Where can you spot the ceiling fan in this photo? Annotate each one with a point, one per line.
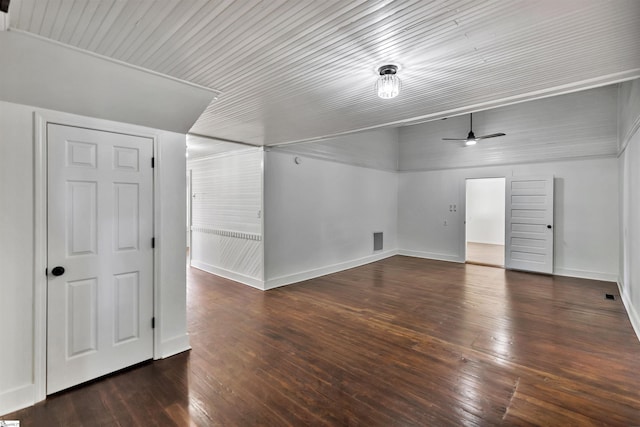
(471, 138)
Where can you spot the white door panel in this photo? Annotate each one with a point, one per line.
(529, 224)
(100, 225)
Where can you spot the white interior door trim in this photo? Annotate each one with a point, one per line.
(462, 206)
(41, 119)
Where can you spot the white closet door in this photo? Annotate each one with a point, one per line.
(100, 225)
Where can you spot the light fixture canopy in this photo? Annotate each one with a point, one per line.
(388, 84)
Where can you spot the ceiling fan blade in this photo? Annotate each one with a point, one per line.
(454, 139)
(493, 135)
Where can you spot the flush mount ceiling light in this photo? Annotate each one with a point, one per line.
(388, 84)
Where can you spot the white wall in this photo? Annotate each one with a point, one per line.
(320, 216)
(16, 257)
(226, 236)
(485, 200)
(585, 217)
(18, 285)
(171, 283)
(629, 163)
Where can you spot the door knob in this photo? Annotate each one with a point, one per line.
(548, 226)
(57, 271)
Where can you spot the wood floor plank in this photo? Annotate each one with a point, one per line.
(403, 341)
(485, 254)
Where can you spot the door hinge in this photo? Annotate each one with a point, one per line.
(153, 243)
(46, 271)
(153, 323)
(153, 162)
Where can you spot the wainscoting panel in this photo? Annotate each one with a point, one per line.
(238, 255)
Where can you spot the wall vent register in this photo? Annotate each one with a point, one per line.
(377, 241)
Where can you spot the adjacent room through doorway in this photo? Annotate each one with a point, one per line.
(485, 221)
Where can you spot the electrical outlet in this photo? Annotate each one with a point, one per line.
(445, 223)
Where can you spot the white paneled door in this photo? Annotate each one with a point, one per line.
(529, 224)
(100, 257)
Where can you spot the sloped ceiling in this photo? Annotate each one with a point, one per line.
(45, 74)
(295, 70)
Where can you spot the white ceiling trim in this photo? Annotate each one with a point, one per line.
(213, 139)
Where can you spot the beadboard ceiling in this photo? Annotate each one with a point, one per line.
(296, 70)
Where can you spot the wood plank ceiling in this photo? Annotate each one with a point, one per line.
(295, 70)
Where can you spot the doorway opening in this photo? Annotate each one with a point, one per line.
(485, 221)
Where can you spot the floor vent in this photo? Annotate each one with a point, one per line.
(609, 296)
(377, 241)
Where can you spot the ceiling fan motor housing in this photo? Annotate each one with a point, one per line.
(472, 139)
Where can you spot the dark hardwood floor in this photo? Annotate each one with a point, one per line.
(400, 342)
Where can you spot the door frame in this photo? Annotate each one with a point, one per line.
(462, 243)
(464, 214)
(41, 119)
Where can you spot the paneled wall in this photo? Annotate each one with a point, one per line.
(582, 124)
(226, 209)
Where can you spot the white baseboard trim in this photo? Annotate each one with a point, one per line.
(175, 345)
(584, 274)
(227, 274)
(634, 318)
(17, 398)
(430, 255)
(322, 271)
